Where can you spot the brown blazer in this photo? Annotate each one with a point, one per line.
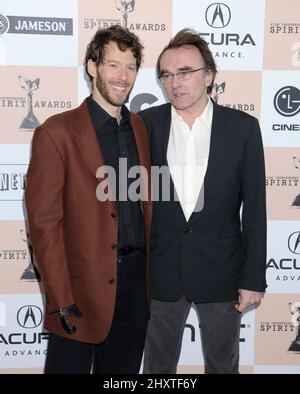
(72, 233)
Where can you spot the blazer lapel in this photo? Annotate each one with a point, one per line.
(216, 144)
(87, 142)
(140, 135)
(165, 128)
(86, 139)
(166, 125)
(142, 145)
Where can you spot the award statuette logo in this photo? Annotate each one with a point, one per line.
(30, 122)
(296, 202)
(295, 311)
(125, 6)
(217, 89)
(30, 273)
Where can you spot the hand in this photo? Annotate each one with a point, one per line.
(247, 298)
(64, 318)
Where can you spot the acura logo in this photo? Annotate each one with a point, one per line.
(30, 316)
(294, 242)
(218, 15)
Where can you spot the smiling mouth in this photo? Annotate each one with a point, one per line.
(120, 88)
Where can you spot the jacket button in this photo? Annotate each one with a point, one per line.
(113, 215)
(114, 246)
(188, 231)
(111, 281)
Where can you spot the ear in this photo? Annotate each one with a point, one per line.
(92, 68)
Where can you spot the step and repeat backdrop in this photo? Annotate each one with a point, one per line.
(256, 44)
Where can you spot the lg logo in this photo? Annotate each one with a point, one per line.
(287, 101)
(218, 15)
(30, 316)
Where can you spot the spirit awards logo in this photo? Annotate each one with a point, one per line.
(287, 101)
(125, 6)
(296, 202)
(285, 28)
(217, 89)
(30, 122)
(30, 273)
(116, 12)
(295, 311)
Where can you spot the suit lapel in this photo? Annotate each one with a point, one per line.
(86, 139)
(165, 128)
(87, 142)
(140, 135)
(166, 125)
(216, 144)
(218, 141)
(142, 145)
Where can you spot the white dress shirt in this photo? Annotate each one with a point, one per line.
(187, 156)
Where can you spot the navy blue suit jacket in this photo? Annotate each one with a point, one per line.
(222, 247)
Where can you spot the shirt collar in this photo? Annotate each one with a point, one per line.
(100, 117)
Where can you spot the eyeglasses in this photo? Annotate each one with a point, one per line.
(182, 75)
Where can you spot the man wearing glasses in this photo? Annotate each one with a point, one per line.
(203, 251)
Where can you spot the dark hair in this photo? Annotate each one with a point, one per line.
(118, 34)
(191, 37)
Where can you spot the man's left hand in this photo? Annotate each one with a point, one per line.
(248, 298)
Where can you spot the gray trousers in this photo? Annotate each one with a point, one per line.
(220, 333)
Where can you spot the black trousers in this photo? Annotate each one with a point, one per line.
(122, 350)
(220, 333)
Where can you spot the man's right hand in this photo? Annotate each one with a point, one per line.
(64, 318)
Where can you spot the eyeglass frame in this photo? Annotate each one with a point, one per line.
(180, 73)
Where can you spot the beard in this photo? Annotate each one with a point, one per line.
(102, 88)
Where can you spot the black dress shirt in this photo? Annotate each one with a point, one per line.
(116, 142)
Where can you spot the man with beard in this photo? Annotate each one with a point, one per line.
(93, 254)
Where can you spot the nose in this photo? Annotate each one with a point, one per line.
(175, 82)
(122, 74)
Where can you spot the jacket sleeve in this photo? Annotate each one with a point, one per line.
(254, 213)
(44, 197)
